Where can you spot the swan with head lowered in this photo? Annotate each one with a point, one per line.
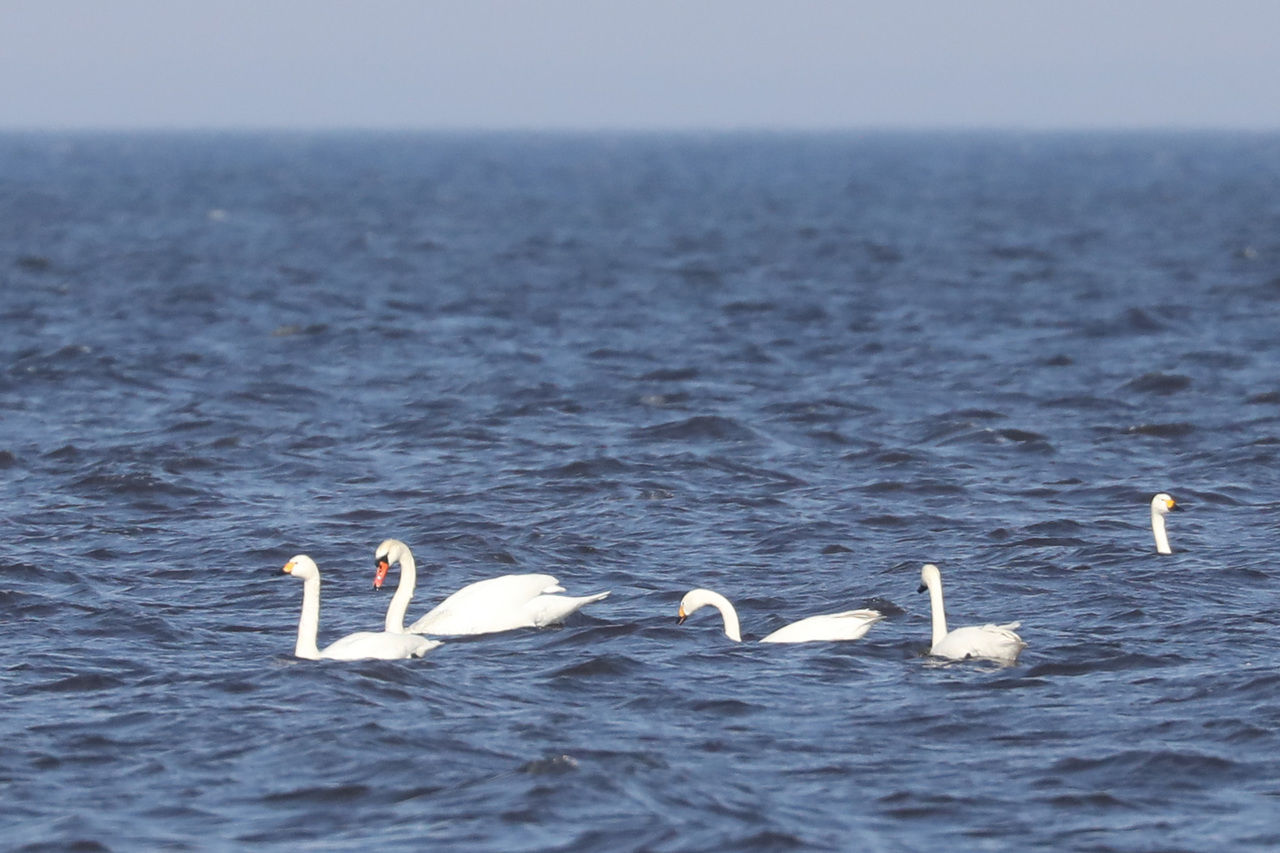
(829, 627)
(363, 645)
(989, 642)
(1161, 505)
(485, 607)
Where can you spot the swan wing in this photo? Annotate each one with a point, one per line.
(829, 627)
(378, 645)
(487, 606)
(554, 609)
(989, 642)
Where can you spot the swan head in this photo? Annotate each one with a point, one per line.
(930, 577)
(303, 567)
(1162, 504)
(694, 599)
(389, 552)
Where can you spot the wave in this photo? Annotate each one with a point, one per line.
(696, 429)
(1179, 429)
(1149, 768)
(1158, 383)
(584, 469)
(130, 483)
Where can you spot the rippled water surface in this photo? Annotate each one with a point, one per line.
(791, 369)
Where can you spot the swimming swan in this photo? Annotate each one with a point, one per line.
(364, 645)
(1161, 505)
(992, 642)
(849, 625)
(485, 607)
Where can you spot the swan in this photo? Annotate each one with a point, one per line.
(1161, 505)
(363, 645)
(485, 607)
(849, 625)
(992, 642)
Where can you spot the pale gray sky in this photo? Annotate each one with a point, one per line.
(654, 64)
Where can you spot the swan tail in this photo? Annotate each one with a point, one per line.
(865, 615)
(425, 646)
(554, 609)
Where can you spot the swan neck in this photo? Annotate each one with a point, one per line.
(309, 623)
(404, 593)
(1162, 538)
(730, 616)
(939, 612)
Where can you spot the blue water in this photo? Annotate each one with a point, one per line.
(791, 369)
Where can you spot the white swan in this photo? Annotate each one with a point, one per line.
(992, 642)
(485, 607)
(363, 645)
(849, 625)
(1161, 505)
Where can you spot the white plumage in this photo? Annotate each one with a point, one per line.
(990, 642)
(485, 607)
(363, 645)
(829, 627)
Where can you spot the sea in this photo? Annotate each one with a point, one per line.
(792, 368)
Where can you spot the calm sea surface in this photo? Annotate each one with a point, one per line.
(789, 368)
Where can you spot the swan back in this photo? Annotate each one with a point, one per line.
(378, 645)
(696, 599)
(829, 627)
(504, 603)
(988, 642)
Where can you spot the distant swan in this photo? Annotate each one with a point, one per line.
(1161, 505)
(992, 642)
(849, 625)
(364, 645)
(485, 607)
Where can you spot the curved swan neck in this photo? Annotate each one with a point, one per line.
(404, 592)
(939, 611)
(730, 616)
(309, 623)
(1157, 528)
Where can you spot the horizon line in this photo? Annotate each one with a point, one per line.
(637, 130)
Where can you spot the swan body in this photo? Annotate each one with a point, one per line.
(485, 607)
(363, 645)
(1161, 505)
(989, 642)
(829, 627)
